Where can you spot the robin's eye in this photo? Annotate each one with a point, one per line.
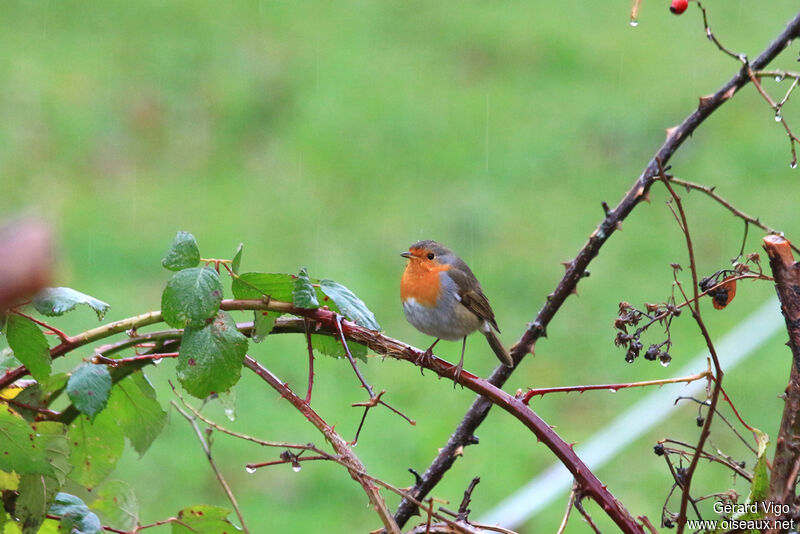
(430, 255)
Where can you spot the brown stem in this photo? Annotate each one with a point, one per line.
(310, 361)
(292, 461)
(718, 373)
(787, 284)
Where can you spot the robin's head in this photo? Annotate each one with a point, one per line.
(429, 253)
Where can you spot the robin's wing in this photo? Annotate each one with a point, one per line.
(473, 299)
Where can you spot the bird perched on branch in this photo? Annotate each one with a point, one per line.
(442, 298)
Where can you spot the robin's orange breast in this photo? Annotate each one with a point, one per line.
(421, 282)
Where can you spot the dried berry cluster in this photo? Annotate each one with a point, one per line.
(630, 317)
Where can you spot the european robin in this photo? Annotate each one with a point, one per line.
(442, 298)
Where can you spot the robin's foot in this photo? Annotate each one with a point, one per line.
(423, 359)
(457, 375)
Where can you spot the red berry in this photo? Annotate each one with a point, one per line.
(679, 6)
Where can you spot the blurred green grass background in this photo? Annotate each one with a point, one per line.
(333, 135)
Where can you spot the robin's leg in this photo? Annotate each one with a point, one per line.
(460, 366)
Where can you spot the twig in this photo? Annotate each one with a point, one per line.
(116, 362)
(614, 387)
(206, 445)
(293, 460)
(310, 361)
(736, 413)
(463, 508)
(570, 506)
(161, 523)
(49, 327)
(788, 93)
(578, 502)
(106, 528)
(679, 476)
(713, 38)
(647, 523)
(577, 267)
(779, 75)
(45, 412)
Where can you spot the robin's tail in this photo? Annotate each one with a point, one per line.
(497, 347)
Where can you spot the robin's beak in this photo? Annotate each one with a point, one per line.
(406, 254)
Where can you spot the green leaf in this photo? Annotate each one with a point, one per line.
(183, 253)
(76, 517)
(96, 447)
(759, 490)
(134, 406)
(192, 296)
(276, 286)
(237, 259)
(59, 300)
(30, 346)
(36, 492)
(263, 321)
(350, 305)
(331, 346)
(304, 295)
(211, 357)
(55, 436)
(88, 388)
(205, 519)
(116, 502)
(22, 447)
